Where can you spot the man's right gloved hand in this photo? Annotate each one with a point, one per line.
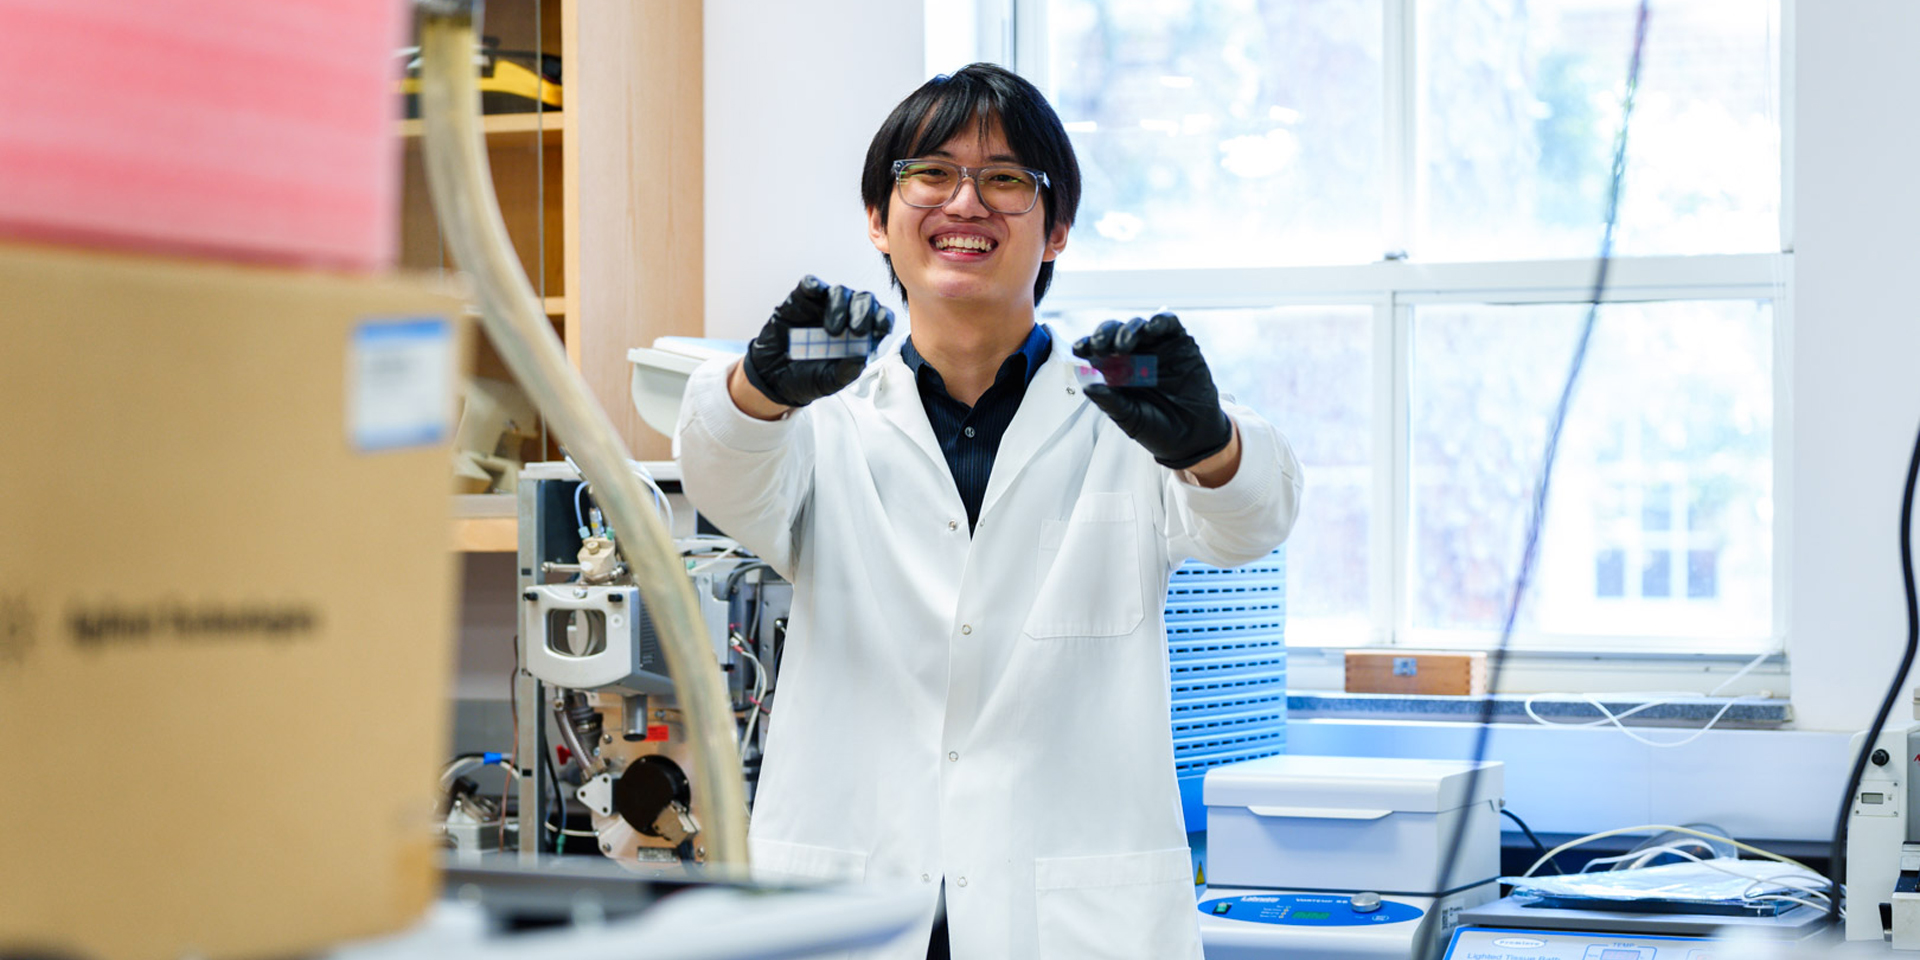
(838, 310)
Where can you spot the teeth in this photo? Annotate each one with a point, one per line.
(980, 244)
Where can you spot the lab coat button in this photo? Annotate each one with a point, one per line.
(953, 524)
(963, 881)
(953, 755)
(966, 628)
(925, 878)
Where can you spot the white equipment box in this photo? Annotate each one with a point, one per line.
(1338, 858)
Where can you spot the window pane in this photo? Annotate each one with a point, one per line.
(1675, 396)
(1657, 512)
(1223, 133)
(1610, 574)
(1657, 576)
(1518, 109)
(1701, 567)
(1308, 370)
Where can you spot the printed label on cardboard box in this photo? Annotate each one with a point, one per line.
(399, 376)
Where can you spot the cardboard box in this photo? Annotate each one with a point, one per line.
(260, 132)
(1416, 672)
(226, 604)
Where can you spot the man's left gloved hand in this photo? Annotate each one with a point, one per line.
(1178, 419)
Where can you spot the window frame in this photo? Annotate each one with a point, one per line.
(1014, 32)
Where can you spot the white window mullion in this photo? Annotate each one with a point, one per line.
(1397, 142)
(1032, 54)
(994, 32)
(1784, 428)
(1392, 506)
(1785, 100)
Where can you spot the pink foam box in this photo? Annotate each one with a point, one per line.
(232, 129)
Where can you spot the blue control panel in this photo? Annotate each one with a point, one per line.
(1307, 910)
(1478, 943)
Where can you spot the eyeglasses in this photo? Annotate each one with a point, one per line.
(1004, 188)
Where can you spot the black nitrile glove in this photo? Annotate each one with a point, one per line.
(838, 310)
(1178, 419)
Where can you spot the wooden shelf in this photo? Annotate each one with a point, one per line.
(486, 523)
(554, 306)
(506, 129)
(486, 535)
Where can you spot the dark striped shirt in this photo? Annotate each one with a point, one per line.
(970, 436)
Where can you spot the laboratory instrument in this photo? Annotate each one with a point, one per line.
(1339, 858)
(1480, 943)
(1794, 924)
(600, 721)
(1883, 849)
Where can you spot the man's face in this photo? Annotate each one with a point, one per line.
(935, 250)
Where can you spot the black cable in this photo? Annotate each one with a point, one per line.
(1539, 847)
(1837, 855)
(1537, 516)
(727, 587)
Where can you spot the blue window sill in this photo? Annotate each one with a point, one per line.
(1508, 708)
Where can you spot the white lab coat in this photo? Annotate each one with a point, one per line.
(984, 712)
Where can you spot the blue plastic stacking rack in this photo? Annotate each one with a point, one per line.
(1227, 655)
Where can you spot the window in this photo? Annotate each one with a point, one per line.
(1378, 218)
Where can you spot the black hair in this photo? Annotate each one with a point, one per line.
(979, 93)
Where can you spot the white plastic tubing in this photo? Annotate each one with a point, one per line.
(463, 198)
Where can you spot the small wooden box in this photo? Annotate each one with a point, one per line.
(1424, 673)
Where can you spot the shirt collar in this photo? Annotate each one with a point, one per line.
(1032, 353)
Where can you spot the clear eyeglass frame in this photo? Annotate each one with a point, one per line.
(962, 173)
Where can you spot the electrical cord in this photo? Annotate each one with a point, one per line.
(1837, 855)
(759, 692)
(1689, 831)
(513, 706)
(1810, 884)
(1637, 858)
(1537, 845)
(660, 501)
(579, 510)
(726, 588)
(1652, 700)
(1537, 515)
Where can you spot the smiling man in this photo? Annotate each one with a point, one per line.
(974, 695)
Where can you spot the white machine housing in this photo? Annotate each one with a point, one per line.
(1351, 823)
(1880, 823)
(1338, 858)
(592, 638)
(659, 374)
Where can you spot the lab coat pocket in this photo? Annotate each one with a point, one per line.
(1129, 905)
(777, 860)
(1089, 570)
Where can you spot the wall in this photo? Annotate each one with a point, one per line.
(794, 93)
(1853, 351)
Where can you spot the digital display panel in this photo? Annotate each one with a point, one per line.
(1322, 915)
(1619, 955)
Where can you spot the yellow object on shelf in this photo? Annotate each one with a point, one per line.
(505, 87)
